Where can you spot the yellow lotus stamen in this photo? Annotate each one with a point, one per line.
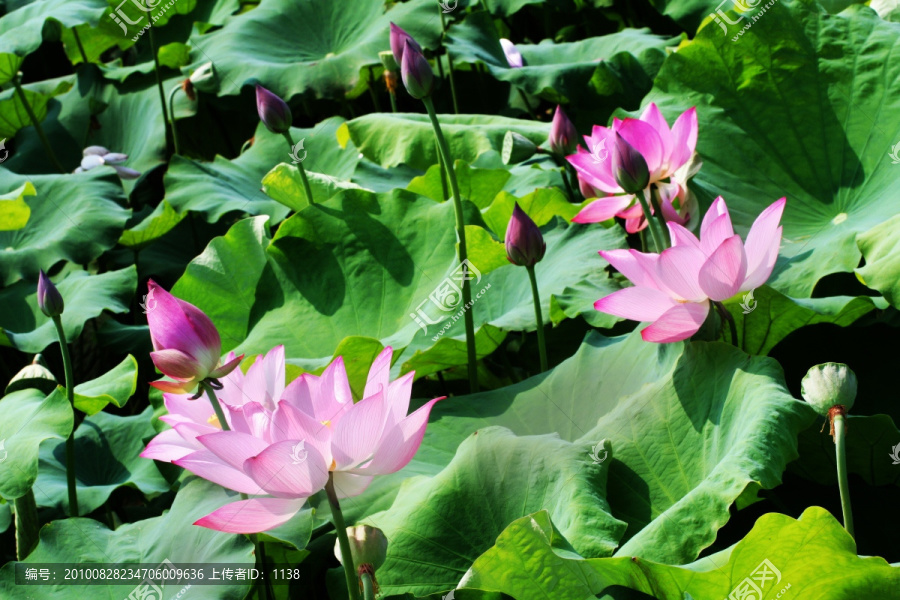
(214, 421)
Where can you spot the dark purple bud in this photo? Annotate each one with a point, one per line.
(273, 111)
(563, 136)
(629, 167)
(50, 301)
(398, 43)
(525, 244)
(416, 72)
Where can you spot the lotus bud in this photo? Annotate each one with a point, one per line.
(416, 72)
(399, 38)
(563, 135)
(205, 79)
(525, 244)
(828, 385)
(368, 546)
(513, 57)
(516, 148)
(273, 111)
(629, 167)
(50, 301)
(35, 376)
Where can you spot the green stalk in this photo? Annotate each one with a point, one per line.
(651, 223)
(172, 115)
(306, 187)
(368, 586)
(37, 125)
(449, 67)
(343, 540)
(159, 85)
(84, 57)
(393, 101)
(27, 525)
(840, 435)
(445, 192)
(70, 395)
(542, 344)
(375, 101)
(461, 234)
(658, 213)
(527, 104)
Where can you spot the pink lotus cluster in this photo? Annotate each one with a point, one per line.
(673, 289)
(670, 158)
(285, 441)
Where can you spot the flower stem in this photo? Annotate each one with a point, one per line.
(449, 67)
(726, 316)
(172, 116)
(220, 414)
(37, 125)
(159, 85)
(656, 202)
(306, 188)
(651, 224)
(368, 586)
(393, 101)
(542, 344)
(840, 438)
(444, 191)
(70, 395)
(84, 58)
(461, 234)
(343, 540)
(27, 525)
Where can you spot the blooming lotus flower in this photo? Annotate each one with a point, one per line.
(186, 344)
(399, 38)
(94, 156)
(673, 289)
(525, 245)
(273, 111)
(563, 135)
(679, 206)
(286, 440)
(50, 301)
(513, 57)
(416, 72)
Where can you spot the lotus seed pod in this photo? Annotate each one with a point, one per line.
(368, 546)
(516, 148)
(35, 376)
(827, 385)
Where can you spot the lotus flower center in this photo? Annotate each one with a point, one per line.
(214, 421)
(326, 423)
(333, 465)
(840, 218)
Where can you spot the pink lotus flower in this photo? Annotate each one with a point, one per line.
(669, 154)
(285, 441)
(513, 56)
(186, 344)
(673, 289)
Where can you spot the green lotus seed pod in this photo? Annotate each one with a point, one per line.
(829, 384)
(516, 148)
(368, 546)
(34, 375)
(387, 59)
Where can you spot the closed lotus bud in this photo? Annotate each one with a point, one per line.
(516, 148)
(563, 136)
(827, 385)
(513, 57)
(416, 72)
(399, 38)
(273, 111)
(368, 546)
(50, 301)
(35, 376)
(629, 167)
(525, 244)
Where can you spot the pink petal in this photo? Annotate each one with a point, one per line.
(233, 447)
(227, 367)
(207, 465)
(638, 267)
(654, 118)
(716, 210)
(717, 231)
(264, 380)
(291, 423)
(602, 209)
(677, 324)
(289, 469)
(399, 444)
(723, 273)
(176, 324)
(636, 224)
(597, 174)
(645, 139)
(636, 303)
(684, 133)
(379, 373)
(678, 271)
(252, 516)
(175, 387)
(397, 399)
(182, 406)
(358, 432)
(348, 485)
(762, 245)
(178, 365)
(251, 419)
(681, 236)
(167, 446)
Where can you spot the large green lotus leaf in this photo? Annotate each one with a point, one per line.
(107, 449)
(687, 447)
(149, 542)
(765, 317)
(691, 13)
(393, 139)
(881, 247)
(437, 527)
(780, 555)
(560, 72)
(808, 106)
(224, 186)
(116, 385)
(319, 47)
(21, 30)
(14, 211)
(85, 298)
(13, 113)
(478, 186)
(156, 224)
(29, 418)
